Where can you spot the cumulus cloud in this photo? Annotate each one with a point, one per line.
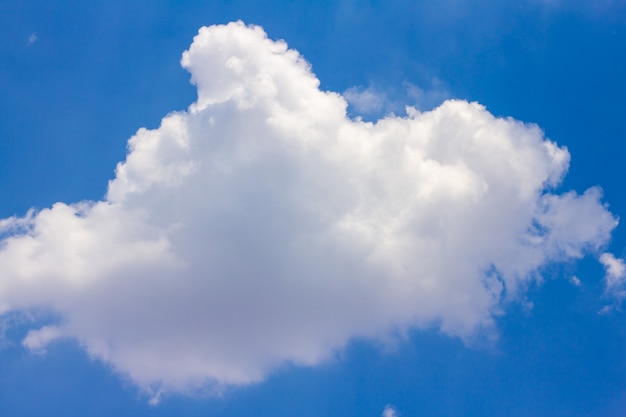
(262, 226)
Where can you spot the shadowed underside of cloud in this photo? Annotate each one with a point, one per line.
(262, 226)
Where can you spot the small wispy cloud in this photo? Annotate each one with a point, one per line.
(575, 281)
(429, 97)
(37, 340)
(366, 100)
(389, 411)
(32, 38)
(614, 278)
(375, 100)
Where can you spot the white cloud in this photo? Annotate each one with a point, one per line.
(37, 340)
(365, 100)
(575, 281)
(32, 38)
(615, 277)
(374, 100)
(389, 411)
(429, 97)
(263, 226)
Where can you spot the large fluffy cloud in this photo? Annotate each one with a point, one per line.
(262, 226)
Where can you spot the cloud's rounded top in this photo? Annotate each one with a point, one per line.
(238, 63)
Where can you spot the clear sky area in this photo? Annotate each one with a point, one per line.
(332, 208)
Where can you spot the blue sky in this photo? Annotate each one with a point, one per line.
(261, 253)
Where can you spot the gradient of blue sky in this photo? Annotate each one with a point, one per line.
(77, 80)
